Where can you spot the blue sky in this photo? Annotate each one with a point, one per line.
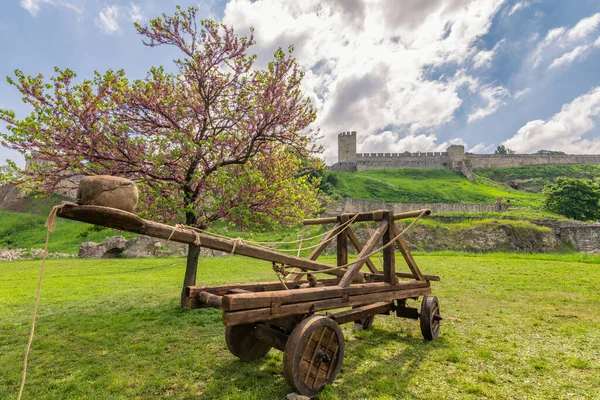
(407, 75)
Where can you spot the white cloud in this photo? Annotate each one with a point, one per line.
(390, 142)
(564, 46)
(108, 19)
(578, 53)
(366, 61)
(33, 6)
(521, 93)
(564, 131)
(521, 5)
(483, 59)
(494, 98)
(135, 13)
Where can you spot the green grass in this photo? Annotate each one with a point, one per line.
(516, 326)
(534, 178)
(425, 186)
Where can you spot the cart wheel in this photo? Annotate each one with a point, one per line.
(429, 317)
(242, 344)
(313, 354)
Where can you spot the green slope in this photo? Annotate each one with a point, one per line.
(425, 186)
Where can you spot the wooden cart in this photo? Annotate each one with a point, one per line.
(283, 314)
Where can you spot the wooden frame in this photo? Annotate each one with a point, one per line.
(261, 315)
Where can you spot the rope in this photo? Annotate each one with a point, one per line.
(185, 228)
(364, 258)
(50, 225)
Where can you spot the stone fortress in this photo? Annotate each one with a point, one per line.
(454, 158)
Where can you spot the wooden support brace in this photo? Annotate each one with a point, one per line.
(369, 247)
(407, 256)
(325, 241)
(389, 253)
(342, 242)
(358, 246)
(211, 299)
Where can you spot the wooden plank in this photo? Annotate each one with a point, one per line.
(358, 313)
(369, 247)
(358, 246)
(365, 216)
(389, 253)
(122, 220)
(211, 299)
(325, 241)
(273, 337)
(245, 301)
(221, 290)
(412, 264)
(264, 314)
(342, 243)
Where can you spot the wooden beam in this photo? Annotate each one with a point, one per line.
(246, 301)
(369, 247)
(358, 246)
(389, 253)
(265, 314)
(211, 299)
(325, 241)
(412, 264)
(117, 219)
(342, 243)
(273, 337)
(365, 216)
(358, 313)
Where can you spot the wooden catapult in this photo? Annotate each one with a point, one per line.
(283, 314)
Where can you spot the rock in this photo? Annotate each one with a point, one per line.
(146, 246)
(108, 191)
(296, 396)
(111, 247)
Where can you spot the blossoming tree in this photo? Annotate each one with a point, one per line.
(218, 139)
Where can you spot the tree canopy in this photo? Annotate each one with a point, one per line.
(503, 150)
(217, 139)
(574, 198)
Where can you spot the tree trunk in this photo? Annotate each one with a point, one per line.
(192, 260)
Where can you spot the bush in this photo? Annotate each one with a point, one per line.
(573, 198)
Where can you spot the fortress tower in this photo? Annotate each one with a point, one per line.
(347, 147)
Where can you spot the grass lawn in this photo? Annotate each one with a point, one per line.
(516, 327)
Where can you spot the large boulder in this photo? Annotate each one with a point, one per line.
(111, 247)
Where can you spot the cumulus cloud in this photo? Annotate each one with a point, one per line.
(564, 46)
(135, 13)
(33, 6)
(483, 59)
(365, 61)
(390, 142)
(494, 97)
(564, 131)
(108, 19)
(521, 5)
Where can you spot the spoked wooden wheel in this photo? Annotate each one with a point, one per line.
(242, 344)
(313, 354)
(430, 318)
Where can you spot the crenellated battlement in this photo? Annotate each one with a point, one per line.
(405, 154)
(349, 133)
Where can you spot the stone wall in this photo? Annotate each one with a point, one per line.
(518, 160)
(351, 205)
(365, 161)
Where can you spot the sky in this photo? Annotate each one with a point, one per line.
(410, 75)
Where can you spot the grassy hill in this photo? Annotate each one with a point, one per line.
(425, 186)
(520, 185)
